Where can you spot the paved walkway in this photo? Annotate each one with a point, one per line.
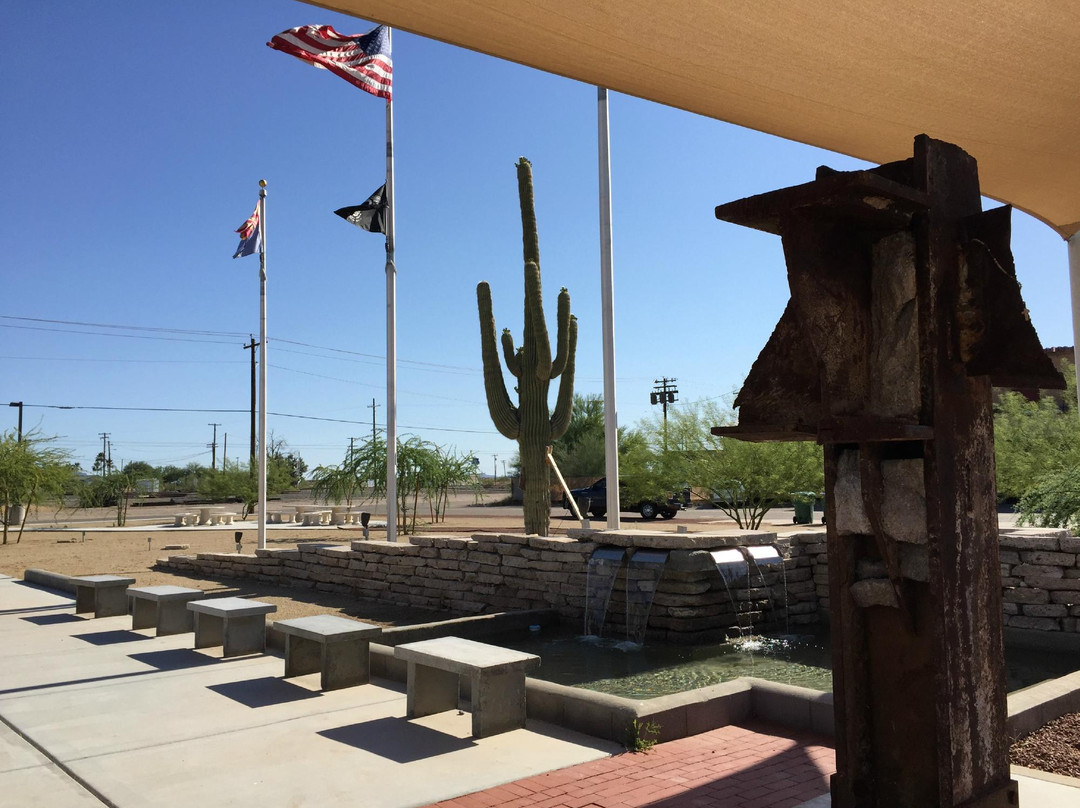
(752, 766)
(94, 714)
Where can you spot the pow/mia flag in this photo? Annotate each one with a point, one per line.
(371, 215)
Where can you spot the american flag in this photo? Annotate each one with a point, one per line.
(362, 60)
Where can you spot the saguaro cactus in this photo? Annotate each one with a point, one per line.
(530, 423)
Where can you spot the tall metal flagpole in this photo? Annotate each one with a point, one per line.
(391, 330)
(607, 309)
(262, 368)
(1074, 282)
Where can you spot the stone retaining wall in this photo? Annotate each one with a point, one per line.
(1040, 579)
(512, 572)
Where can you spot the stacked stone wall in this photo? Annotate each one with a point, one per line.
(1040, 579)
(511, 572)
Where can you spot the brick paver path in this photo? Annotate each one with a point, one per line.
(751, 766)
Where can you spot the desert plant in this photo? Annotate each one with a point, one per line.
(530, 423)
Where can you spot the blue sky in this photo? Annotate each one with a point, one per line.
(135, 134)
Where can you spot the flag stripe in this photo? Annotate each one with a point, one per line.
(363, 60)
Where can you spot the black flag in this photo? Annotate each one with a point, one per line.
(371, 215)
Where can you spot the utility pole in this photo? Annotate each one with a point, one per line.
(374, 435)
(495, 467)
(19, 405)
(664, 392)
(251, 347)
(108, 458)
(104, 451)
(225, 452)
(213, 448)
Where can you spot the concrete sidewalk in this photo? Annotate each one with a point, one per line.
(92, 714)
(96, 714)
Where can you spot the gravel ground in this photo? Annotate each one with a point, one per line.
(1055, 748)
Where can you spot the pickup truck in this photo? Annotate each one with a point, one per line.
(594, 501)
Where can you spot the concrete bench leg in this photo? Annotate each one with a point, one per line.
(144, 613)
(345, 664)
(110, 601)
(209, 630)
(84, 599)
(244, 635)
(429, 691)
(173, 617)
(498, 702)
(302, 656)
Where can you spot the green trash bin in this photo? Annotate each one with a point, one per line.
(804, 507)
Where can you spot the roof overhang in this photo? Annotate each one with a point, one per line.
(999, 78)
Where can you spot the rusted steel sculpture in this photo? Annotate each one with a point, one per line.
(904, 310)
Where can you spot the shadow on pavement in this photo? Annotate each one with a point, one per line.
(397, 739)
(52, 619)
(263, 692)
(175, 659)
(110, 637)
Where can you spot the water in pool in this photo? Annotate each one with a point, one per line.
(643, 672)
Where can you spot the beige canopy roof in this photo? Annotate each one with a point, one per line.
(1000, 78)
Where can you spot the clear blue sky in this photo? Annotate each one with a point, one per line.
(135, 134)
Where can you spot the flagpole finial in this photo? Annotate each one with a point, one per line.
(262, 183)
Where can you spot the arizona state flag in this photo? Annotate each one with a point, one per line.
(250, 236)
(371, 215)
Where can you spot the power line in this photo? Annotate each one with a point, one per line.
(231, 411)
(139, 361)
(125, 327)
(127, 336)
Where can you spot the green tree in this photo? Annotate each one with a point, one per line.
(238, 482)
(277, 451)
(580, 451)
(31, 472)
(745, 479)
(1033, 439)
(141, 470)
(111, 491)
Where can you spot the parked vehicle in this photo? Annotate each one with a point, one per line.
(593, 500)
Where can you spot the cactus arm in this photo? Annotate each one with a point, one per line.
(534, 317)
(503, 413)
(564, 404)
(510, 355)
(562, 340)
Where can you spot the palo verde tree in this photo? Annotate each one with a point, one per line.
(31, 472)
(530, 423)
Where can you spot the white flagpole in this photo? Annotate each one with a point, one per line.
(262, 368)
(1074, 282)
(607, 309)
(391, 330)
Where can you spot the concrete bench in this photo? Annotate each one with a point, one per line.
(335, 646)
(163, 608)
(185, 519)
(278, 517)
(104, 595)
(497, 676)
(312, 518)
(225, 518)
(237, 624)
